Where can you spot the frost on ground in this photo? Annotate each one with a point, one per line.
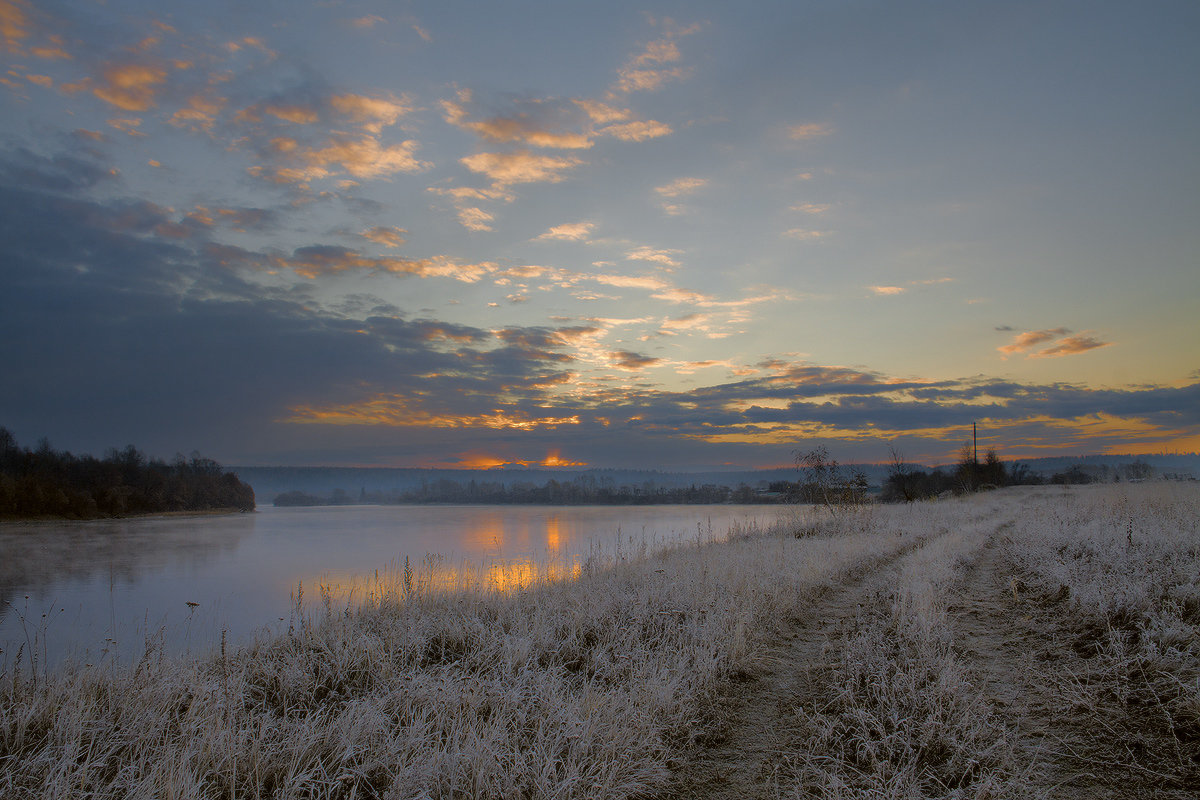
(868, 654)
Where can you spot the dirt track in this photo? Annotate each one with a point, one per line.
(1025, 655)
(741, 759)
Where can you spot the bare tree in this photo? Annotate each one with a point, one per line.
(826, 482)
(900, 476)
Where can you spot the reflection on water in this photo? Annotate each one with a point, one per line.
(105, 587)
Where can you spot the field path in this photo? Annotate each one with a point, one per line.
(1022, 649)
(739, 762)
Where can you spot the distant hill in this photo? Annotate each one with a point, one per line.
(270, 482)
(354, 482)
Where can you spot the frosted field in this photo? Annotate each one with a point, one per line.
(1021, 643)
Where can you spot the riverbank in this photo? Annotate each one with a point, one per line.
(208, 512)
(618, 681)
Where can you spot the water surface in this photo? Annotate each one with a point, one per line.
(96, 590)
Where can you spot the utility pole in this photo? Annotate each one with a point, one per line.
(975, 443)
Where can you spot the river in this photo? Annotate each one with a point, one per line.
(95, 591)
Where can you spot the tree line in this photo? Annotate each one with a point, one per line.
(50, 483)
(584, 490)
(906, 483)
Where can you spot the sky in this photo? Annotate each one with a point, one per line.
(674, 235)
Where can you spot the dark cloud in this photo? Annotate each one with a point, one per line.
(59, 173)
(625, 359)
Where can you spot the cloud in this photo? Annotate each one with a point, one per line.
(809, 130)
(1024, 342)
(812, 208)
(681, 186)
(632, 362)
(131, 87)
(1071, 345)
(363, 157)
(369, 21)
(521, 166)
(182, 347)
(475, 219)
(648, 70)
(373, 113)
(300, 115)
(385, 235)
(805, 234)
(637, 131)
(523, 127)
(14, 24)
(631, 282)
(571, 232)
(888, 290)
(318, 260)
(666, 257)
(602, 113)
(200, 113)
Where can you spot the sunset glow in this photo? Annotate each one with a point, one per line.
(629, 235)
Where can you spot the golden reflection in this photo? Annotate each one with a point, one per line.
(430, 577)
(553, 535)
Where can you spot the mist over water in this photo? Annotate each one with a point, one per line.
(95, 591)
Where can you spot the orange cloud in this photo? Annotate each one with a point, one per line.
(363, 158)
(1070, 346)
(888, 290)
(647, 71)
(681, 186)
(129, 126)
(555, 459)
(517, 128)
(400, 412)
(313, 262)
(602, 114)
(200, 113)
(375, 113)
(638, 131)
(131, 87)
(664, 257)
(571, 232)
(14, 24)
(521, 166)
(386, 236)
(301, 115)
(631, 282)
(1027, 341)
(475, 219)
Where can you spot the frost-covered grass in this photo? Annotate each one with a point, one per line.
(1122, 564)
(899, 714)
(561, 689)
(588, 686)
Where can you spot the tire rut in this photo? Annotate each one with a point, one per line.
(739, 760)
